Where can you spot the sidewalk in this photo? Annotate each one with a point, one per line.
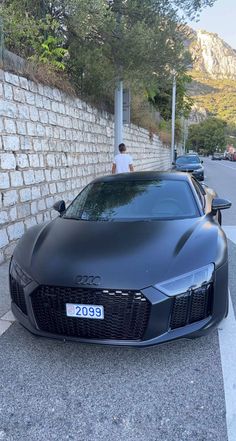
(6, 317)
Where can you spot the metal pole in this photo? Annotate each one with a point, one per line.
(1, 41)
(118, 115)
(118, 138)
(185, 134)
(173, 119)
(184, 138)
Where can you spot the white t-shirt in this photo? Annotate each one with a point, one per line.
(123, 161)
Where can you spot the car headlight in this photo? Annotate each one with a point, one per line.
(18, 274)
(186, 282)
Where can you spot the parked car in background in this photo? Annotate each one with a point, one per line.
(232, 156)
(226, 155)
(136, 259)
(217, 156)
(190, 163)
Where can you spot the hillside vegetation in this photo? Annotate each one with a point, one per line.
(90, 45)
(218, 97)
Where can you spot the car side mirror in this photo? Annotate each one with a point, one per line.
(60, 206)
(220, 204)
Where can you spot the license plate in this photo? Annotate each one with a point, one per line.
(85, 311)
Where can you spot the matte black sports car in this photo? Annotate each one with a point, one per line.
(136, 259)
(191, 164)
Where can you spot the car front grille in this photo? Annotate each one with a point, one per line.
(126, 313)
(191, 307)
(17, 294)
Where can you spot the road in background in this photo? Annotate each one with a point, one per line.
(221, 175)
(52, 390)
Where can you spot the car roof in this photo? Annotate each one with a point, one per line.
(145, 175)
(188, 155)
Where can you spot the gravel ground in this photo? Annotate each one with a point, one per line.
(4, 292)
(66, 391)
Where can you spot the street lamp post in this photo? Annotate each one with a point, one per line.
(1, 40)
(173, 119)
(185, 134)
(118, 115)
(118, 137)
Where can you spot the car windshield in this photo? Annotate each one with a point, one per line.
(134, 200)
(188, 160)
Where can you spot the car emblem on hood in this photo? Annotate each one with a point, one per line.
(88, 280)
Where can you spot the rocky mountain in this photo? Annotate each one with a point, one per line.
(212, 55)
(214, 76)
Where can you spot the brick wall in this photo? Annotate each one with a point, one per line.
(51, 146)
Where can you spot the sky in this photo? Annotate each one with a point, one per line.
(220, 18)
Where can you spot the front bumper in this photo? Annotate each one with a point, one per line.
(158, 327)
(198, 174)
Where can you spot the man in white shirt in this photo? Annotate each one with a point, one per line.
(123, 162)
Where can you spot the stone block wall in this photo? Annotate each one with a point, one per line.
(51, 146)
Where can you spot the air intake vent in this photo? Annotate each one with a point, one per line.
(126, 313)
(17, 294)
(191, 307)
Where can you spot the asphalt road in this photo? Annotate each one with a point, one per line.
(179, 391)
(221, 175)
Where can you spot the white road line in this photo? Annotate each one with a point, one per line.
(227, 340)
(6, 321)
(4, 325)
(227, 166)
(230, 233)
(8, 316)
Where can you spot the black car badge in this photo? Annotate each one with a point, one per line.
(88, 280)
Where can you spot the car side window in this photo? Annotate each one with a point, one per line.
(200, 192)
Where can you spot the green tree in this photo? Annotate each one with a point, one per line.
(192, 7)
(209, 136)
(33, 33)
(161, 98)
(140, 41)
(141, 47)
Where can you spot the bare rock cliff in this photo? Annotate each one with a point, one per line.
(212, 55)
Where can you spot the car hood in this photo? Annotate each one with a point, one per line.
(123, 255)
(186, 167)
